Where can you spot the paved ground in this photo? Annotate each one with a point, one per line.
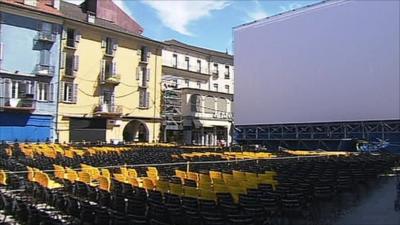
(376, 206)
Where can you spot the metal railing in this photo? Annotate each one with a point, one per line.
(44, 70)
(46, 36)
(108, 108)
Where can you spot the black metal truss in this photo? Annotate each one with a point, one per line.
(387, 129)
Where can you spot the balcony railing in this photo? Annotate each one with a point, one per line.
(44, 70)
(108, 110)
(46, 36)
(18, 104)
(110, 79)
(192, 67)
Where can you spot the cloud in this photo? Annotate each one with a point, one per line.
(257, 12)
(120, 3)
(178, 14)
(290, 7)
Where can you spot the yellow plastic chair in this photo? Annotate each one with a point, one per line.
(72, 175)
(3, 177)
(190, 192)
(204, 178)
(235, 191)
(181, 174)
(220, 188)
(31, 174)
(104, 183)
(84, 177)
(192, 176)
(162, 186)
(59, 172)
(251, 176)
(238, 175)
(175, 189)
(132, 173)
(120, 177)
(148, 184)
(133, 181)
(215, 174)
(207, 194)
(106, 173)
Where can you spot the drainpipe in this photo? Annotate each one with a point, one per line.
(154, 98)
(58, 82)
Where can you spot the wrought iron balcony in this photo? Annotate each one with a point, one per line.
(108, 110)
(44, 70)
(114, 79)
(27, 104)
(46, 36)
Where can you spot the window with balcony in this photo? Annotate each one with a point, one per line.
(46, 33)
(227, 88)
(215, 69)
(144, 98)
(187, 82)
(187, 63)
(43, 67)
(227, 73)
(71, 64)
(175, 60)
(43, 92)
(199, 66)
(215, 87)
(72, 37)
(68, 92)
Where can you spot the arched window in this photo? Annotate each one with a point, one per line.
(195, 103)
(209, 106)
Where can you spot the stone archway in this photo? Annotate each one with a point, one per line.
(136, 131)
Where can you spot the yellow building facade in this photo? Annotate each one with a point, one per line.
(109, 88)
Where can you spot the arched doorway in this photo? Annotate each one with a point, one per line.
(136, 131)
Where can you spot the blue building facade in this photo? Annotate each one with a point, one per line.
(29, 71)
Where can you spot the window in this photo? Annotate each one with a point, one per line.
(195, 102)
(71, 64)
(215, 87)
(44, 57)
(71, 38)
(47, 28)
(174, 60)
(187, 82)
(199, 66)
(198, 84)
(215, 69)
(109, 46)
(30, 2)
(69, 92)
(144, 54)
(43, 91)
(227, 88)
(144, 98)
(187, 62)
(227, 74)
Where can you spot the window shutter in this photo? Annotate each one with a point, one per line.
(61, 94)
(139, 52)
(148, 54)
(76, 62)
(63, 59)
(147, 75)
(75, 93)
(147, 99)
(103, 43)
(114, 68)
(50, 93)
(77, 36)
(64, 34)
(112, 99)
(115, 45)
(7, 88)
(138, 73)
(103, 68)
(140, 98)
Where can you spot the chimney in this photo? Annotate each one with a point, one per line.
(56, 4)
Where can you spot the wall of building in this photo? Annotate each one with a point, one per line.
(21, 54)
(126, 92)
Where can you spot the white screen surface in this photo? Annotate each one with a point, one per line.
(332, 62)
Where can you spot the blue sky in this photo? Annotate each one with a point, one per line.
(201, 23)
